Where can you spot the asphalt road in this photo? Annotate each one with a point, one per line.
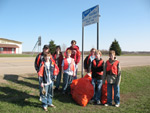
(25, 65)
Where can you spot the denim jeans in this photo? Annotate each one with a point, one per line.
(97, 92)
(76, 71)
(116, 93)
(47, 97)
(40, 88)
(58, 80)
(67, 80)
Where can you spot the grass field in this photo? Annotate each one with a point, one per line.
(19, 94)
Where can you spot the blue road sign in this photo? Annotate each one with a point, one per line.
(90, 16)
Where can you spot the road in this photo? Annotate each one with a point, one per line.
(25, 65)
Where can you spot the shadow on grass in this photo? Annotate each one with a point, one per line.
(64, 98)
(14, 78)
(16, 97)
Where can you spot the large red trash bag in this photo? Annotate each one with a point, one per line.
(87, 76)
(104, 93)
(82, 90)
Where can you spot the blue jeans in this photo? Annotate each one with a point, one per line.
(97, 92)
(67, 80)
(47, 97)
(58, 80)
(40, 88)
(116, 93)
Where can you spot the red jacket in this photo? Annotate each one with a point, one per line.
(76, 55)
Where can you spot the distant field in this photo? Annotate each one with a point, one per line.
(16, 55)
(19, 94)
(30, 55)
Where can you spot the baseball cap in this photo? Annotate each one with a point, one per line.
(45, 47)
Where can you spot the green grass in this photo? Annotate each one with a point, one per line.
(20, 95)
(16, 55)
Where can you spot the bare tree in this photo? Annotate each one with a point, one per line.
(63, 47)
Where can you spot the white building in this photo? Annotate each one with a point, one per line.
(10, 46)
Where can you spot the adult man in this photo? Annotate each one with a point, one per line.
(75, 54)
(37, 63)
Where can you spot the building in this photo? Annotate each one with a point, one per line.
(10, 46)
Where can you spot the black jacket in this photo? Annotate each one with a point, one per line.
(96, 69)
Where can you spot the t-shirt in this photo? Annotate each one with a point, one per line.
(68, 71)
(47, 69)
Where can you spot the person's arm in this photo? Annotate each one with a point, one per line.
(104, 73)
(74, 69)
(90, 67)
(62, 67)
(78, 54)
(35, 64)
(85, 64)
(41, 74)
(119, 74)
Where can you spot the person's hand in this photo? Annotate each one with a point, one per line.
(74, 74)
(42, 85)
(89, 74)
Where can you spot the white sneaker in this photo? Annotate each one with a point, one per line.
(40, 99)
(45, 108)
(117, 105)
(98, 102)
(52, 105)
(106, 105)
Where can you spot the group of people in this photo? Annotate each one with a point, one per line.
(99, 71)
(52, 67)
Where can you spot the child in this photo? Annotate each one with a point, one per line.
(58, 57)
(37, 63)
(48, 69)
(113, 74)
(75, 54)
(68, 70)
(88, 60)
(97, 74)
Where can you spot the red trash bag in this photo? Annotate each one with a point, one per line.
(104, 93)
(82, 90)
(73, 85)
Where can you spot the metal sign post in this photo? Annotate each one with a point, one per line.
(90, 16)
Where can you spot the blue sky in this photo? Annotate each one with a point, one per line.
(128, 21)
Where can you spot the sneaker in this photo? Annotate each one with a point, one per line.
(40, 99)
(117, 105)
(98, 102)
(52, 105)
(45, 108)
(106, 105)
